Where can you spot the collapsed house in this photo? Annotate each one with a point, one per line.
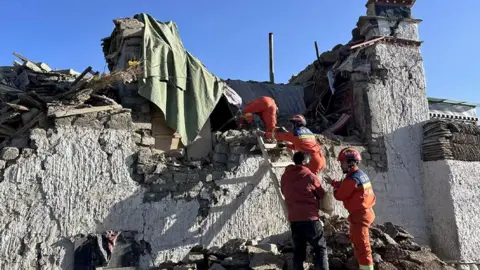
(145, 151)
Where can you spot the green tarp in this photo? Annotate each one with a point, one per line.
(175, 81)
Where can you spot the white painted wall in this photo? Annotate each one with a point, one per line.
(74, 186)
(452, 195)
(398, 107)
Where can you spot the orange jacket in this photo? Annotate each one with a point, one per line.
(302, 140)
(355, 191)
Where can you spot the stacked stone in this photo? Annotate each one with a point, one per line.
(392, 246)
(124, 45)
(443, 139)
(231, 148)
(389, 18)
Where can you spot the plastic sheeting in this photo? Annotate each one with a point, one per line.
(289, 98)
(175, 81)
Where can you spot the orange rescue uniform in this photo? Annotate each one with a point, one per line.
(265, 107)
(303, 140)
(357, 195)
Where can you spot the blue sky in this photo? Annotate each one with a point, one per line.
(231, 37)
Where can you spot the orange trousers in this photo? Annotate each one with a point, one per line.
(267, 112)
(317, 163)
(360, 222)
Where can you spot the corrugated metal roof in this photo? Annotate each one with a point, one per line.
(289, 98)
(453, 102)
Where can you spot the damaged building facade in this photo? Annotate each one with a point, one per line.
(80, 170)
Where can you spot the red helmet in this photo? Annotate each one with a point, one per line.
(349, 154)
(299, 120)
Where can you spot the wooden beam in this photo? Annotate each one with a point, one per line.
(9, 90)
(281, 164)
(69, 112)
(24, 59)
(273, 175)
(30, 101)
(87, 70)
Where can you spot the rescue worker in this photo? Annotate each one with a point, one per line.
(302, 139)
(303, 194)
(356, 193)
(265, 108)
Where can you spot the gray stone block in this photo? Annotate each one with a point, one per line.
(120, 121)
(3, 163)
(137, 138)
(366, 155)
(148, 140)
(234, 158)
(220, 158)
(376, 157)
(221, 149)
(232, 166)
(237, 150)
(64, 121)
(217, 175)
(88, 120)
(193, 177)
(144, 155)
(180, 177)
(145, 168)
(372, 163)
(9, 153)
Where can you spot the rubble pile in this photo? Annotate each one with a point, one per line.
(393, 248)
(444, 139)
(30, 92)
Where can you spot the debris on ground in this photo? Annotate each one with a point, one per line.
(393, 248)
(31, 91)
(444, 139)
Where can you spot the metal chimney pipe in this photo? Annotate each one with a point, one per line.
(272, 73)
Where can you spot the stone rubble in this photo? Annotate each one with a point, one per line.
(30, 92)
(393, 248)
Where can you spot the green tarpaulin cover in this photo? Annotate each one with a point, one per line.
(175, 81)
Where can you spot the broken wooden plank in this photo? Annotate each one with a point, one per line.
(21, 57)
(17, 107)
(5, 117)
(33, 66)
(9, 90)
(44, 67)
(74, 90)
(273, 175)
(281, 164)
(37, 96)
(367, 43)
(7, 128)
(107, 100)
(87, 70)
(270, 145)
(69, 112)
(16, 63)
(6, 131)
(29, 101)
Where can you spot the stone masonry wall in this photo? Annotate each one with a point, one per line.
(452, 193)
(391, 105)
(81, 180)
